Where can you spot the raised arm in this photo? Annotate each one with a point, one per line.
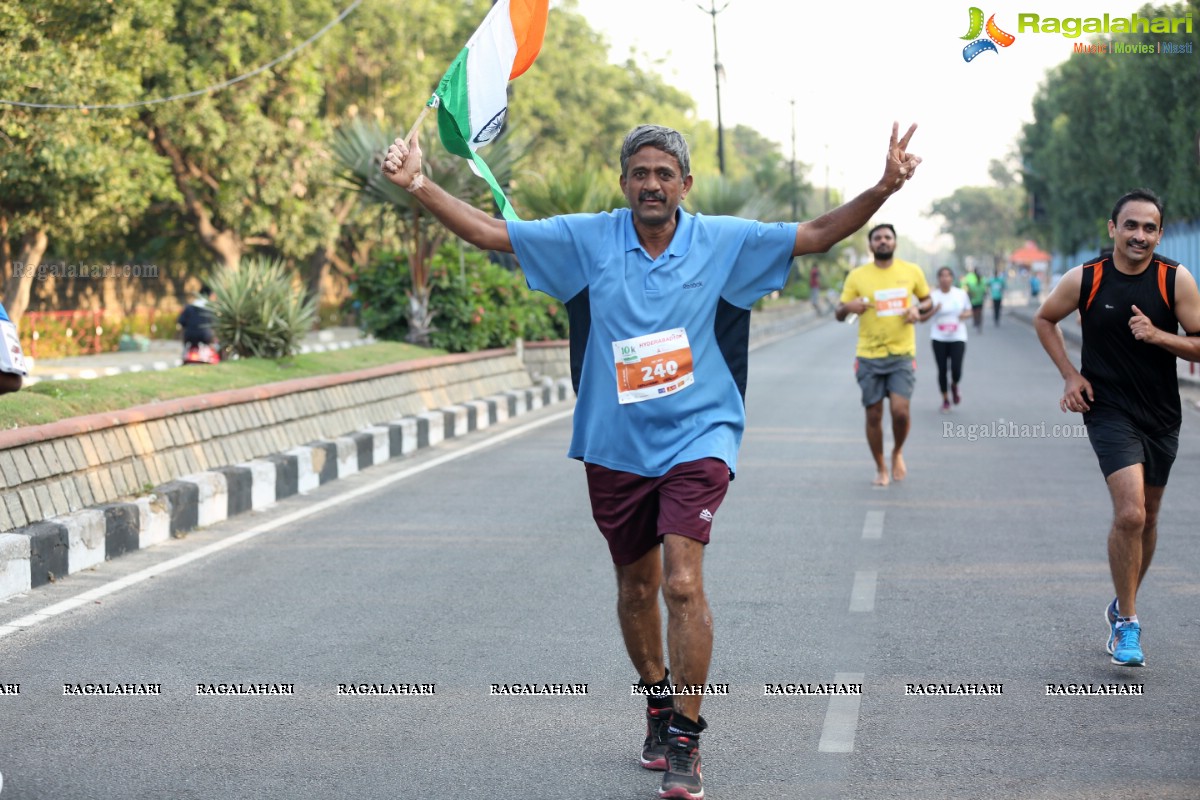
(1187, 310)
(1077, 391)
(822, 233)
(402, 166)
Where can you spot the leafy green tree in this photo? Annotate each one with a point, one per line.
(247, 162)
(570, 190)
(358, 148)
(69, 177)
(384, 70)
(1070, 163)
(577, 106)
(1105, 125)
(984, 221)
(715, 194)
(248, 169)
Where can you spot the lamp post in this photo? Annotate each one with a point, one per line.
(712, 10)
(795, 210)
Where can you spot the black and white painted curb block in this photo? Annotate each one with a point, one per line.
(46, 551)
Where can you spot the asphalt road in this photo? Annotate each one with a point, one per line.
(478, 564)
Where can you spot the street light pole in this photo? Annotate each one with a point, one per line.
(826, 209)
(713, 11)
(795, 211)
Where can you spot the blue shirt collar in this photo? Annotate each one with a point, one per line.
(680, 242)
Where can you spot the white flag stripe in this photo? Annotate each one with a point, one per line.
(490, 55)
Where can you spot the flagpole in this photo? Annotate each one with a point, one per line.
(420, 118)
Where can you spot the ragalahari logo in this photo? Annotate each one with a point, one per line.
(995, 36)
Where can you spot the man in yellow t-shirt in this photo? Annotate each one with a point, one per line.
(881, 294)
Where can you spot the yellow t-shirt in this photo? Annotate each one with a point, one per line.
(882, 330)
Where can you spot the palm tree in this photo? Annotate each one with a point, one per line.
(717, 195)
(576, 190)
(358, 147)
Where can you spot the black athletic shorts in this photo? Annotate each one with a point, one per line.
(1119, 443)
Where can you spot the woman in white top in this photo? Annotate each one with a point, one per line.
(951, 305)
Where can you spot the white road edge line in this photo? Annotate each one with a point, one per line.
(862, 596)
(873, 526)
(841, 717)
(29, 620)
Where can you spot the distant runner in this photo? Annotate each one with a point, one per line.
(996, 287)
(977, 291)
(951, 307)
(886, 357)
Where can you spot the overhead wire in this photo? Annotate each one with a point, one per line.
(185, 95)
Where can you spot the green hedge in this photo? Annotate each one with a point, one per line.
(477, 304)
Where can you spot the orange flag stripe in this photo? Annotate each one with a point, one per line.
(528, 18)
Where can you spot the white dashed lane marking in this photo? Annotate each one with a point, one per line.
(841, 718)
(873, 526)
(862, 596)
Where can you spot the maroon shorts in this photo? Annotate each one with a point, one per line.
(634, 512)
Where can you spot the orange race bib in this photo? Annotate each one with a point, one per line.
(891, 302)
(653, 366)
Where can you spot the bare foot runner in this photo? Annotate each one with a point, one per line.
(881, 294)
(899, 471)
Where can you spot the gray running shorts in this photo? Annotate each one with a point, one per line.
(879, 377)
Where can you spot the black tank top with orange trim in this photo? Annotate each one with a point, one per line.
(1136, 379)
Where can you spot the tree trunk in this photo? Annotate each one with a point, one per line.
(420, 316)
(317, 263)
(224, 243)
(22, 271)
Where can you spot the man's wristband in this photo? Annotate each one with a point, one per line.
(417, 182)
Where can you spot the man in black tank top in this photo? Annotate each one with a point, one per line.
(1131, 306)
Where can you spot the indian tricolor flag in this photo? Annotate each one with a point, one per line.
(472, 98)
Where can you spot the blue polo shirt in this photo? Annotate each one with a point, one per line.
(704, 284)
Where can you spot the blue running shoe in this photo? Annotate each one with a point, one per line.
(1127, 649)
(1110, 616)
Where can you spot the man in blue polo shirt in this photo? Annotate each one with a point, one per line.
(659, 303)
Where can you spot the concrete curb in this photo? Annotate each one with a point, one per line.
(50, 549)
(52, 371)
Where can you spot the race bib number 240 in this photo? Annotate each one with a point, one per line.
(653, 366)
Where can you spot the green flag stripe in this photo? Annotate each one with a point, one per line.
(454, 112)
(454, 126)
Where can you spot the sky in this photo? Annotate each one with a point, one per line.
(852, 69)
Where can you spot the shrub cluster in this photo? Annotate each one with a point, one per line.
(476, 303)
(258, 311)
